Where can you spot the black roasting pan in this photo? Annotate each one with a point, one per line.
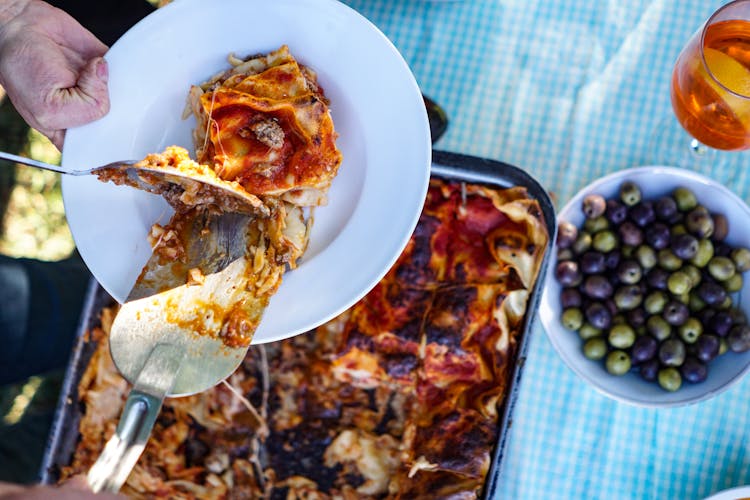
(64, 432)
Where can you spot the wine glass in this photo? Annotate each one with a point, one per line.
(710, 91)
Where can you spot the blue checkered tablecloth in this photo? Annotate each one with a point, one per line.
(571, 90)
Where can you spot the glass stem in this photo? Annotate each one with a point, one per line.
(698, 148)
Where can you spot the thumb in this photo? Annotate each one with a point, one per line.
(92, 83)
(89, 99)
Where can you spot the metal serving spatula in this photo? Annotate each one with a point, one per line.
(154, 343)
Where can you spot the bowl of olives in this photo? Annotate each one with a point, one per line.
(648, 296)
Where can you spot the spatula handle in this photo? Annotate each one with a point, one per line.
(122, 451)
(120, 454)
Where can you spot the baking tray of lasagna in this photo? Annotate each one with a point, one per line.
(408, 394)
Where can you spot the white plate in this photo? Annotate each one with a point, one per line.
(723, 371)
(377, 109)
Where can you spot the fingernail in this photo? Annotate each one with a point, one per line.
(102, 72)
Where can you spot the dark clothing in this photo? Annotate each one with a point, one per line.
(40, 305)
(108, 20)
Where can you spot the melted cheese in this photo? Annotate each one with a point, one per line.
(375, 457)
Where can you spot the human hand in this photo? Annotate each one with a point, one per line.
(75, 489)
(51, 67)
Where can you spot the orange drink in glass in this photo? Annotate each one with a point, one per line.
(711, 80)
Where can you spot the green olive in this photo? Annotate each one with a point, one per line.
(621, 336)
(668, 260)
(733, 284)
(646, 256)
(629, 272)
(572, 318)
(723, 346)
(677, 229)
(630, 193)
(721, 268)
(604, 241)
(683, 297)
(588, 331)
(693, 273)
(628, 297)
(582, 243)
(685, 199)
(617, 362)
(741, 258)
(669, 379)
(658, 327)
(595, 348)
(726, 304)
(678, 283)
(596, 224)
(627, 251)
(704, 254)
(655, 301)
(690, 330)
(672, 352)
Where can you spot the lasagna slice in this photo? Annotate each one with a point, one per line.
(266, 124)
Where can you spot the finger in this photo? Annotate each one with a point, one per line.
(63, 492)
(92, 82)
(88, 100)
(77, 487)
(8, 488)
(57, 138)
(77, 483)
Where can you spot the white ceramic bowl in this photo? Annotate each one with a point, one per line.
(736, 493)
(723, 371)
